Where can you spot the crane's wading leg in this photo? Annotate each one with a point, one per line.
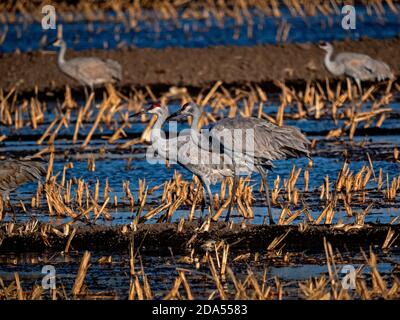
(360, 92)
(12, 208)
(203, 205)
(9, 204)
(203, 201)
(205, 198)
(263, 174)
(94, 96)
(86, 93)
(234, 189)
(211, 200)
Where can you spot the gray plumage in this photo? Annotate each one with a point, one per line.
(271, 142)
(358, 66)
(254, 147)
(198, 161)
(14, 173)
(89, 71)
(183, 151)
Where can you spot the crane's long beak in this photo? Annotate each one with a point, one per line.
(54, 42)
(176, 116)
(136, 114)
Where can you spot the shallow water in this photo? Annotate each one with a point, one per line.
(112, 279)
(116, 172)
(191, 33)
(113, 165)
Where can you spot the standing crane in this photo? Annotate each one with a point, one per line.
(88, 71)
(268, 141)
(14, 173)
(187, 154)
(357, 66)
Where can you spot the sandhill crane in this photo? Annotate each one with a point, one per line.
(358, 66)
(187, 154)
(269, 142)
(14, 173)
(88, 71)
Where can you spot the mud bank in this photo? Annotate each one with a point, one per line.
(194, 67)
(164, 238)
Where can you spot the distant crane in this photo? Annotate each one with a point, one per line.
(270, 142)
(14, 173)
(187, 154)
(88, 71)
(358, 66)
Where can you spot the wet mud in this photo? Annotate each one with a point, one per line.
(164, 238)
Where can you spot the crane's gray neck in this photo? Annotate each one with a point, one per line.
(196, 117)
(197, 137)
(161, 118)
(333, 67)
(160, 143)
(61, 53)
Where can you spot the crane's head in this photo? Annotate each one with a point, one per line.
(186, 110)
(152, 108)
(325, 46)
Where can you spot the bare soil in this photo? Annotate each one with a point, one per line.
(194, 67)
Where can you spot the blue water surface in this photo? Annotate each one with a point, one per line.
(194, 33)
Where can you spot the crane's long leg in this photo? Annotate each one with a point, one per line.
(207, 196)
(7, 201)
(14, 217)
(94, 95)
(360, 92)
(12, 208)
(234, 188)
(86, 93)
(211, 199)
(263, 174)
(203, 200)
(203, 205)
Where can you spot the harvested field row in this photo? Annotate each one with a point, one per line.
(162, 238)
(194, 67)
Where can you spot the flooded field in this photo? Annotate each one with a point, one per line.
(254, 28)
(109, 273)
(115, 224)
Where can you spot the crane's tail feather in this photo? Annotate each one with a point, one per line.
(296, 143)
(115, 69)
(33, 169)
(383, 71)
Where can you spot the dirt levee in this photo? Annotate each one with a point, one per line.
(194, 67)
